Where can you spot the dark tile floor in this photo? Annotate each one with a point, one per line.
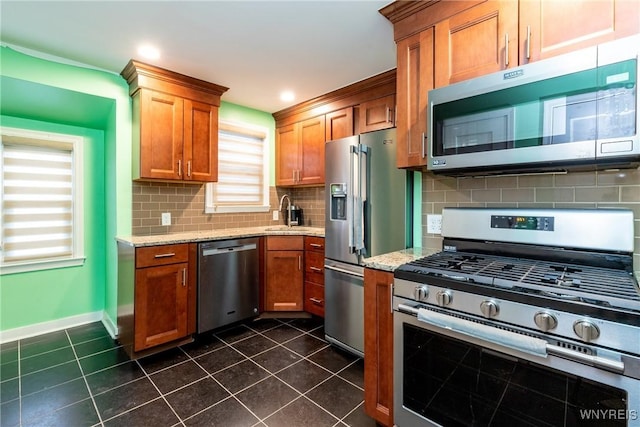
(267, 372)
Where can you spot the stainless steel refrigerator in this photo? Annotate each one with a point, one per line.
(368, 213)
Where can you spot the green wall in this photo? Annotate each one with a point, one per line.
(93, 101)
(40, 296)
(238, 113)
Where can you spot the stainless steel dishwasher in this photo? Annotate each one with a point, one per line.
(228, 286)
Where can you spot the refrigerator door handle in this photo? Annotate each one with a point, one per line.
(361, 198)
(351, 198)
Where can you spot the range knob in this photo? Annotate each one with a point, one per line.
(586, 330)
(444, 298)
(421, 293)
(545, 321)
(489, 309)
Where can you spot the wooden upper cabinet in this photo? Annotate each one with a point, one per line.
(160, 134)
(312, 134)
(415, 79)
(200, 141)
(339, 124)
(477, 41)
(544, 32)
(300, 153)
(175, 124)
(377, 114)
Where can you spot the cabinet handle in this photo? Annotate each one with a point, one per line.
(189, 168)
(388, 115)
(528, 42)
(316, 301)
(424, 149)
(167, 255)
(184, 277)
(315, 245)
(506, 49)
(299, 263)
(293, 175)
(316, 269)
(180, 168)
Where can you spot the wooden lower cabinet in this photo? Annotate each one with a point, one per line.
(161, 305)
(156, 297)
(378, 345)
(314, 275)
(284, 273)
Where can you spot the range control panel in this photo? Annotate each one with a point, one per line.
(541, 223)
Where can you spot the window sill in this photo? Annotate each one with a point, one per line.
(233, 209)
(40, 265)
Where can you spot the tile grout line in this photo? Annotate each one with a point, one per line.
(84, 378)
(161, 394)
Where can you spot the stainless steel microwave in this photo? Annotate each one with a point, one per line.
(575, 111)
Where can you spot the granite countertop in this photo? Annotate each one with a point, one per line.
(229, 233)
(393, 260)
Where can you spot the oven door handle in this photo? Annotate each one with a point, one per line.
(611, 365)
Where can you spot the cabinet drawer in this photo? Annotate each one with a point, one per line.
(161, 255)
(315, 244)
(285, 243)
(314, 299)
(314, 267)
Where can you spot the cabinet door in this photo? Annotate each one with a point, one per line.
(478, 41)
(378, 346)
(543, 32)
(312, 133)
(200, 142)
(284, 281)
(287, 155)
(377, 114)
(415, 79)
(161, 135)
(161, 304)
(339, 124)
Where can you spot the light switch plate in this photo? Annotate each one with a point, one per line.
(166, 218)
(276, 215)
(434, 224)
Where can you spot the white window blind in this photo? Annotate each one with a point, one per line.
(242, 171)
(38, 207)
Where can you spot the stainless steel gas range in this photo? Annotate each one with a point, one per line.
(526, 317)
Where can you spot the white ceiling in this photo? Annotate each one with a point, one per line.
(256, 48)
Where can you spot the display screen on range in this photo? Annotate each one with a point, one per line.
(542, 223)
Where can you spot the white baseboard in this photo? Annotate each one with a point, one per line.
(53, 325)
(110, 325)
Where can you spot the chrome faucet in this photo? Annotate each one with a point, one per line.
(288, 208)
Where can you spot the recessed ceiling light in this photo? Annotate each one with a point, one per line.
(149, 52)
(287, 96)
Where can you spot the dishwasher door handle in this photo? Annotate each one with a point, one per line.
(220, 251)
(342, 270)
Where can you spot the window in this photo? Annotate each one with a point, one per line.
(242, 170)
(41, 203)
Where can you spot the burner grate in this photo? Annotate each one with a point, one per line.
(616, 287)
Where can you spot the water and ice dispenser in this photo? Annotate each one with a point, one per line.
(338, 202)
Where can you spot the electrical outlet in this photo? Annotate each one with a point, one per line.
(276, 215)
(166, 218)
(434, 224)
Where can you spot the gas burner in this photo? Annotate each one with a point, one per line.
(562, 280)
(462, 262)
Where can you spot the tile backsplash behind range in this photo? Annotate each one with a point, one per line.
(185, 202)
(602, 189)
